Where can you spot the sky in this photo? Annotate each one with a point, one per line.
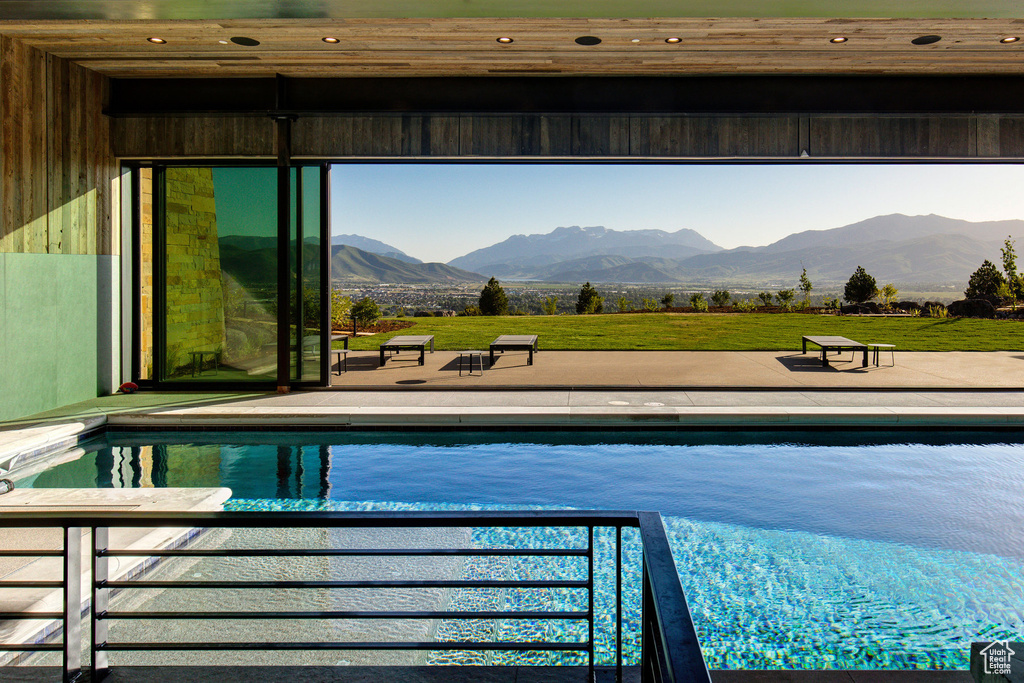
(437, 212)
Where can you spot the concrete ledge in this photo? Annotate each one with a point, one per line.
(129, 538)
(20, 446)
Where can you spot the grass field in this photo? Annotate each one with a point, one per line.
(713, 332)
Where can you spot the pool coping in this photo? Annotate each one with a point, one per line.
(483, 417)
(23, 446)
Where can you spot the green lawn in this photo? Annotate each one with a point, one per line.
(713, 332)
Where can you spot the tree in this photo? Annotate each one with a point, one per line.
(624, 304)
(341, 306)
(887, 295)
(766, 298)
(551, 305)
(720, 297)
(667, 300)
(806, 286)
(589, 300)
(698, 302)
(984, 281)
(860, 287)
(649, 304)
(492, 299)
(365, 311)
(785, 298)
(1014, 282)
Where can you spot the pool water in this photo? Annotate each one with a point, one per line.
(816, 550)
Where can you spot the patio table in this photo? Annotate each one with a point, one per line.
(835, 344)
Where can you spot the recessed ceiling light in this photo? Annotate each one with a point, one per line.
(838, 39)
(223, 42)
(635, 40)
(504, 40)
(158, 41)
(329, 39)
(242, 40)
(1009, 39)
(588, 40)
(926, 40)
(673, 41)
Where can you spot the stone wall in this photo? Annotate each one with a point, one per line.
(195, 296)
(145, 342)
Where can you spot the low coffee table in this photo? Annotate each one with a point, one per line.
(515, 342)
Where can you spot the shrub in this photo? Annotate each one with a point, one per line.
(935, 311)
(860, 287)
(766, 298)
(888, 294)
(785, 298)
(667, 300)
(470, 310)
(492, 299)
(720, 297)
(589, 300)
(365, 311)
(745, 305)
(802, 305)
(624, 304)
(649, 304)
(830, 303)
(341, 307)
(698, 302)
(550, 305)
(984, 281)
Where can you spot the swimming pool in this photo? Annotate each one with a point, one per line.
(819, 550)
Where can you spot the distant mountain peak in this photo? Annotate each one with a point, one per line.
(373, 246)
(570, 242)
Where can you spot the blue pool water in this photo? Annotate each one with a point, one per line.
(822, 551)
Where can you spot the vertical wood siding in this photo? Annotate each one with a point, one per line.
(56, 166)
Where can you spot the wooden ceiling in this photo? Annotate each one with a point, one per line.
(469, 47)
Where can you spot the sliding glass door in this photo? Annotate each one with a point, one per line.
(216, 285)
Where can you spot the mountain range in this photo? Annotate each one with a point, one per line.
(252, 261)
(524, 256)
(894, 248)
(373, 246)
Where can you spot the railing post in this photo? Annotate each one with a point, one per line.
(618, 603)
(590, 603)
(72, 616)
(100, 602)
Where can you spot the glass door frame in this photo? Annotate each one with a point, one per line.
(132, 325)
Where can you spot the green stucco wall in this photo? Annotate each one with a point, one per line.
(55, 330)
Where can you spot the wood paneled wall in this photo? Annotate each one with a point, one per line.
(57, 170)
(581, 136)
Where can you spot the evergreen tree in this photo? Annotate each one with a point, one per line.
(667, 300)
(1014, 282)
(366, 311)
(589, 300)
(806, 286)
(492, 299)
(860, 287)
(985, 281)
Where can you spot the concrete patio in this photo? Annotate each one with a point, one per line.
(752, 369)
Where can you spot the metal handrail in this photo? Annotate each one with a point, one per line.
(670, 650)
